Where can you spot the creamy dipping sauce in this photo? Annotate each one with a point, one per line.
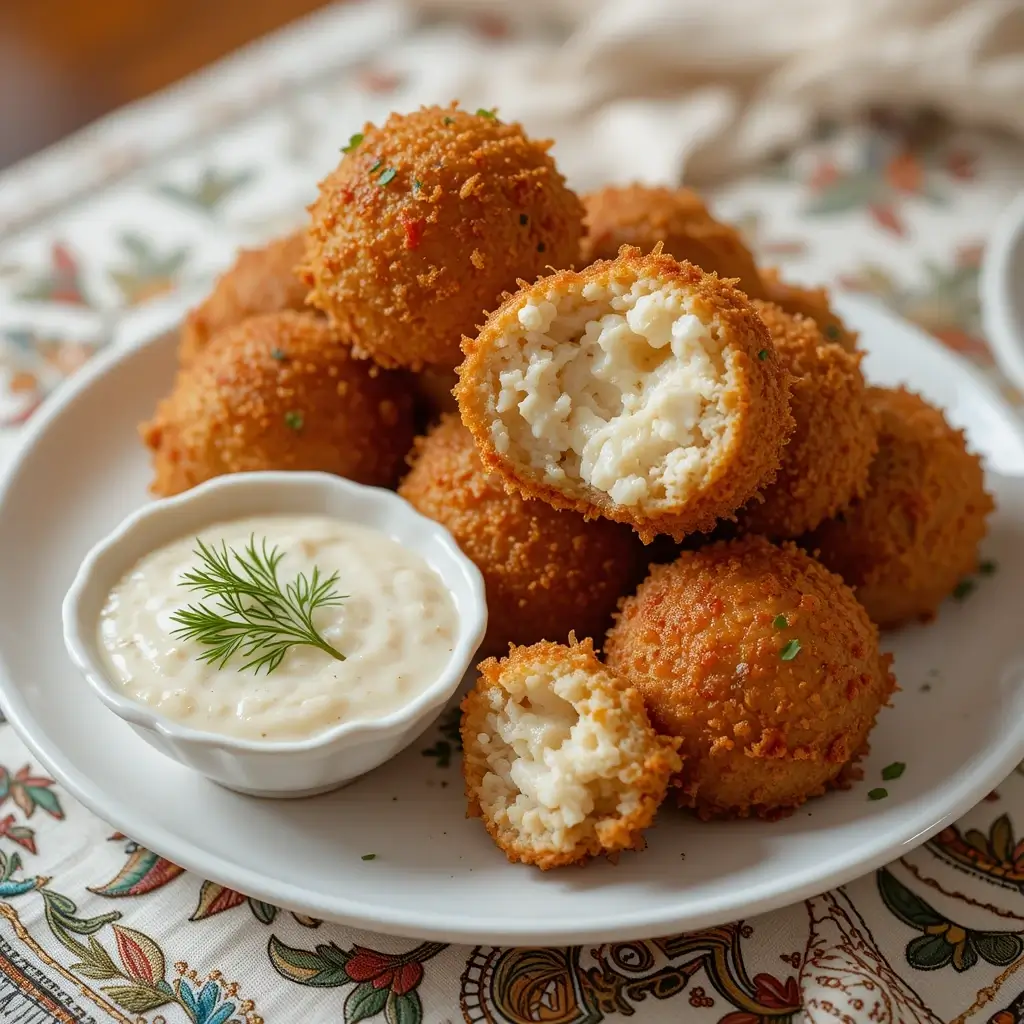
(396, 628)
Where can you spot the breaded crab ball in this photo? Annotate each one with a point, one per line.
(906, 545)
(762, 663)
(545, 572)
(811, 302)
(640, 389)
(643, 216)
(260, 281)
(559, 757)
(280, 391)
(423, 225)
(825, 465)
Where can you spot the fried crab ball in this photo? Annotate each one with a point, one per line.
(762, 663)
(640, 389)
(812, 302)
(642, 216)
(559, 757)
(825, 465)
(280, 391)
(260, 281)
(545, 572)
(905, 546)
(424, 224)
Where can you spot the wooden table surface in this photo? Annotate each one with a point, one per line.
(64, 63)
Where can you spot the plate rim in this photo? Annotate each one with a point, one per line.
(908, 832)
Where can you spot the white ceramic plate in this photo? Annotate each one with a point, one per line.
(1002, 291)
(437, 875)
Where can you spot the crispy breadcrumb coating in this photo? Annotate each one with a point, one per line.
(643, 216)
(423, 225)
(825, 465)
(764, 665)
(559, 757)
(545, 572)
(906, 545)
(812, 302)
(259, 281)
(639, 389)
(280, 391)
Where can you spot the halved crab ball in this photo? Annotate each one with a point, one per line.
(560, 759)
(640, 389)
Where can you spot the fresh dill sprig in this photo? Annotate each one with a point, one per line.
(252, 614)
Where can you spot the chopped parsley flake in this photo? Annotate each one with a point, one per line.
(489, 114)
(831, 332)
(448, 120)
(763, 354)
(541, 247)
(780, 622)
(524, 219)
(376, 166)
(368, 856)
(878, 794)
(987, 568)
(893, 771)
(416, 186)
(294, 420)
(353, 142)
(386, 177)
(791, 650)
(278, 354)
(963, 589)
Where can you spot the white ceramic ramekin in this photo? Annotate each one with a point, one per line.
(1001, 290)
(282, 768)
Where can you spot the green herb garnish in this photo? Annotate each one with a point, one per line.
(893, 771)
(878, 794)
(416, 186)
(763, 354)
(987, 568)
(491, 115)
(963, 589)
(524, 219)
(791, 650)
(780, 622)
(386, 176)
(353, 142)
(376, 166)
(278, 354)
(252, 614)
(541, 247)
(368, 856)
(294, 420)
(831, 332)
(448, 120)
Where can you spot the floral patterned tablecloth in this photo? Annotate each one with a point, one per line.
(95, 928)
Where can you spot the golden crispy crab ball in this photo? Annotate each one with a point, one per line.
(424, 224)
(545, 572)
(812, 302)
(559, 757)
(260, 281)
(825, 465)
(640, 389)
(762, 663)
(644, 216)
(905, 545)
(280, 391)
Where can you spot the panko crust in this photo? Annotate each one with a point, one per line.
(425, 223)
(760, 735)
(811, 302)
(260, 281)
(826, 463)
(545, 572)
(760, 402)
(615, 834)
(905, 546)
(280, 391)
(643, 216)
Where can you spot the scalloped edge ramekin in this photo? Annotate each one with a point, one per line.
(280, 768)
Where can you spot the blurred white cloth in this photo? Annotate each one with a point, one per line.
(707, 86)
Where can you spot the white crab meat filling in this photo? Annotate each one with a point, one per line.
(622, 388)
(562, 757)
